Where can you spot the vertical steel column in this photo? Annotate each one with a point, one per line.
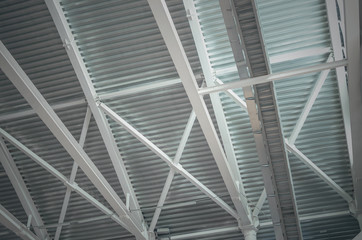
(355, 97)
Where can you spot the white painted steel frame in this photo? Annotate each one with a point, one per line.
(12, 223)
(209, 74)
(90, 94)
(28, 90)
(309, 104)
(74, 186)
(178, 55)
(334, 26)
(292, 148)
(21, 190)
(272, 77)
(351, 8)
(177, 167)
(73, 174)
(171, 173)
(239, 51)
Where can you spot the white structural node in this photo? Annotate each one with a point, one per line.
(74, 186)
(91, 96)
(178, 55)
(73, 174)
(25, 86)
(177, 167)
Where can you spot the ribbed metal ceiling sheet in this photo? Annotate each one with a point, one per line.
(296, 26)
(133, 73)
(222, 60)
(124, 52)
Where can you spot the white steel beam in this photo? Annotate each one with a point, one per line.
(351, 8)
(74, 186)
(209, 74)
(73, 174)
(90, 94)
(12, 223)
(178, 55)
(272, 77)
(299, 54)
(21, 190)
(292, 148)
(25, 86)
(176, 167)
(309, 104)
(234, 96)
(334, 26)
(171, 173)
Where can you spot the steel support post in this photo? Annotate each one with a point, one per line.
(178, 55)
(12, 223)
(21, 190)
(355, 97)
(25, 86)
(90, 94)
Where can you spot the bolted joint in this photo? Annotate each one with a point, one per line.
(67, 44)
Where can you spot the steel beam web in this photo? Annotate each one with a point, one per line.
(242, 25)
(353, 48)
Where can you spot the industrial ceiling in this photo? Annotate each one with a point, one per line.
(180, 119)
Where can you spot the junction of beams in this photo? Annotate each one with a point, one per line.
(25, 86)
(178, 55)
(12, 223)
(90, 94)
(21, 190)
